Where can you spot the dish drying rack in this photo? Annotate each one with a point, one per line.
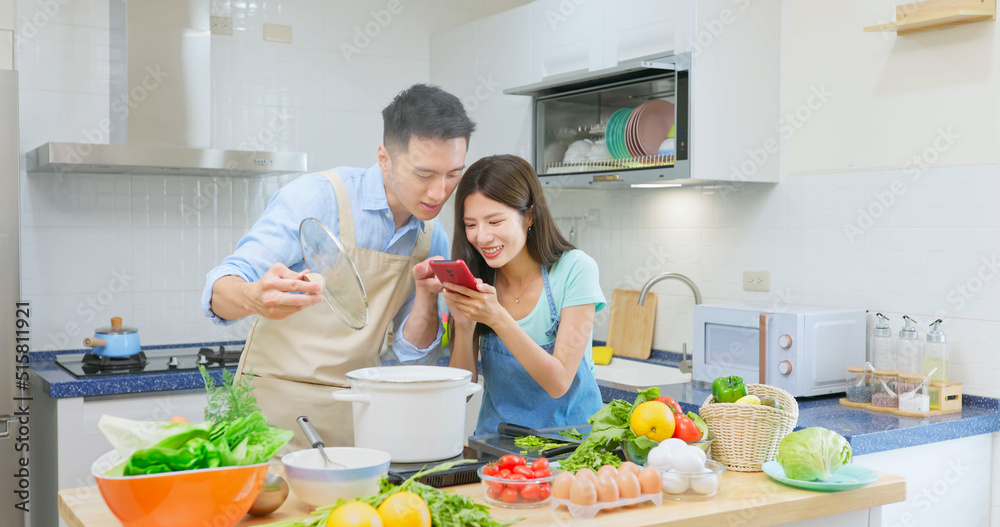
(665, 160)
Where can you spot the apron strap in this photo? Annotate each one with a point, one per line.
(345, 219)
(422, 247)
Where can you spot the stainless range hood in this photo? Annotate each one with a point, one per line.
(160, 106)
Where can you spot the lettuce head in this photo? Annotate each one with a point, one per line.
(813, 454)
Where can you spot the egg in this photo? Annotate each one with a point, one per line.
(586, 473)
(674, 483)
(650, 481)
(660, 458)
(628, 485)
(628, 466)
(607, 488)
(583, 492)
(686, 461)
(699, 453)
(672, 443)
(707, 484)
(607, 469)
(562, 484)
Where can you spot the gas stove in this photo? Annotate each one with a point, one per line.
(150, 361)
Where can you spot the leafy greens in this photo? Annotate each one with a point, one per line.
(610, 428)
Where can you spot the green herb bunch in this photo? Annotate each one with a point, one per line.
(231, 400)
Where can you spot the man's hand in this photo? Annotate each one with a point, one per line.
(276, 295)
(425, 278)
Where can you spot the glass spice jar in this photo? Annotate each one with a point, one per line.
(885, 395)
(914, 393)
(859, 385)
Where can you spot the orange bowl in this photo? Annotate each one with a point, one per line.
(219, 497)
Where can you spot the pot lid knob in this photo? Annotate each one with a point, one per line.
(116, 322)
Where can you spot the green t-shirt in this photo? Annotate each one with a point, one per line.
(574, 280)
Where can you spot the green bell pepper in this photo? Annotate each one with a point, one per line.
(728, 389)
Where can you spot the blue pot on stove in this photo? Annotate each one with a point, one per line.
(114, 340)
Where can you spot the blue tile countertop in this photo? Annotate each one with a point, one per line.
(867, 431)
(58, 383)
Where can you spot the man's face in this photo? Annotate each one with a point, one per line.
(421, 179)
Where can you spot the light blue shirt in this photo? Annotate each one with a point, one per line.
(275, 237)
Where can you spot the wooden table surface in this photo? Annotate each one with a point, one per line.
(744, 499)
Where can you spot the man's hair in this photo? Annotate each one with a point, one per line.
(424, 111)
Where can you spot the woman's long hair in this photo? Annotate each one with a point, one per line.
(511, 181)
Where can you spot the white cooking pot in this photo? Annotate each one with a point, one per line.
(415, 413)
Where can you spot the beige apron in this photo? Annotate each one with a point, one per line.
(300, 361)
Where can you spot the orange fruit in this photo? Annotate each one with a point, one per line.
(354, 514)
(404, 509)
(654, 420)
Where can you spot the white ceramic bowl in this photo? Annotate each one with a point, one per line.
(317, 485)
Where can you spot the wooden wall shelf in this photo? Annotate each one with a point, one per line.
(938, 14)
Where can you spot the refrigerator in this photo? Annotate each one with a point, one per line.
(15, 408)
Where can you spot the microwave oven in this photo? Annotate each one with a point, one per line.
(802, 350)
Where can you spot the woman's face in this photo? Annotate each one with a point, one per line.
(497, 231)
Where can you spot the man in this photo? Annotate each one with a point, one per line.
(298, 351)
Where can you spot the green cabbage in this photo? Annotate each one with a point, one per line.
(813, 454)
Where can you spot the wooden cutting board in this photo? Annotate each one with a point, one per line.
(630, 330)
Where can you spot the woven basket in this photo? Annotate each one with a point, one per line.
(747, 435)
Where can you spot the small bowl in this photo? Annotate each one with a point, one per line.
(704, 443)
(690, 486)
(494, 489)
(211, 496)
(318, 485)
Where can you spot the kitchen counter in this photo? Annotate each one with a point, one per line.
(867, 431)
(744, 499)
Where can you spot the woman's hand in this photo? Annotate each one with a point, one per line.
(473, 306)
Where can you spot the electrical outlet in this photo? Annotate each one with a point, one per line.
(221, 25)
(757, 281)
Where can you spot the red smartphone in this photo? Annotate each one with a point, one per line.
(454, 272)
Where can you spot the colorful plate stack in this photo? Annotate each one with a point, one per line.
(639, 132)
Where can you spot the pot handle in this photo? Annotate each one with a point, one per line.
(473, 388)
(349, 396)
(94, 342)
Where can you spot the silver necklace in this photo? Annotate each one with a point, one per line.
(517, 299)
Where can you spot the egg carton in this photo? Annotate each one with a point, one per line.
(584, 512)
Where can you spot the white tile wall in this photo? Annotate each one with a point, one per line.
(942, 261)
(139, 246)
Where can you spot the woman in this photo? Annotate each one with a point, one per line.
(531, 318)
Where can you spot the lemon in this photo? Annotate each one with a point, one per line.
(748, 399)
(354, 514)
(654, 420)
(404, 509)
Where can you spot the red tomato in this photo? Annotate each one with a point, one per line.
(531, 492)
(509, 461)
(674, 405)
(685, 429)
(491, 469)
(544, 491)
(518, 477)
(543, 473)
(493, 489)
(509, 495)
(524, 471)
(504, 473)
(540, 464)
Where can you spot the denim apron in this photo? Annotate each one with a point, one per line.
(511, 395)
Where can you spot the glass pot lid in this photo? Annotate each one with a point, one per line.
(342, 287)
(116, 327)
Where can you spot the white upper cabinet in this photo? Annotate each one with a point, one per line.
(566, 36)
(639, 28)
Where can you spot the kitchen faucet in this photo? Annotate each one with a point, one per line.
(685, 365)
